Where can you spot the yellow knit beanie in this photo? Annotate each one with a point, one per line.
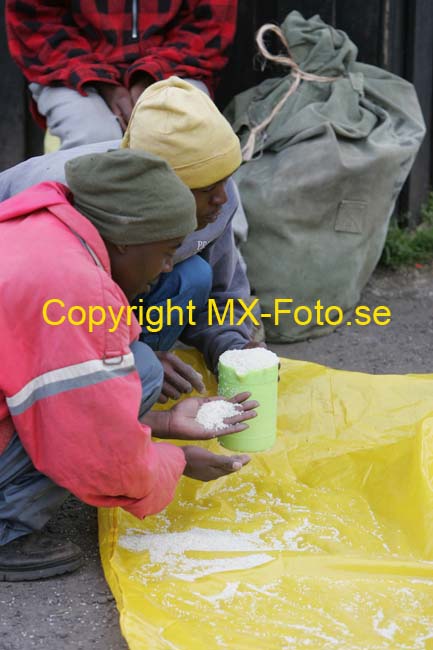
(179, 123)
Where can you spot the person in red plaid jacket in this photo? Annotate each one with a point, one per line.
(88, 62)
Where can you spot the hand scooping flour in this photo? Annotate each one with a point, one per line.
(212, 414)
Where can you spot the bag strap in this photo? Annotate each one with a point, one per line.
(298, 74)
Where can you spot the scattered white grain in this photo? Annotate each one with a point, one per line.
(386, 631)
(226, 594)
(170, 551)
(162, 545)
(267, 590)
(317, 632)
(243, 516)
(193, 569)
(212, 414)
(244, 361)
(249, 495)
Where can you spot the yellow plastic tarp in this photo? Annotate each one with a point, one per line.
(326, 541)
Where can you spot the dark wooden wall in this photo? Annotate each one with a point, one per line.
(395, 34)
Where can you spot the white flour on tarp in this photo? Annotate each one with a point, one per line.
(313, 637)
(266, 590)
(386, 631)
(191, 570)
(227, 593)
(244, 361)
(212, 414)
(170, 547)
(249, 495)
(162, 545)
(243, 516)
(169, 550)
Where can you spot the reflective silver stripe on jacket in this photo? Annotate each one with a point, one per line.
(68, 378)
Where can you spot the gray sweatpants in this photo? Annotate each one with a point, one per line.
(28, 499)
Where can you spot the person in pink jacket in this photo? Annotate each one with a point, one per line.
(74, 397)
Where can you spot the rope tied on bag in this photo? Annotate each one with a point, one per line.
(298, 74)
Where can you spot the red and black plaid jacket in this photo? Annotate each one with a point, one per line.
(73, 42)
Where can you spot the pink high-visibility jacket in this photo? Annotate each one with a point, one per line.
(72, 395)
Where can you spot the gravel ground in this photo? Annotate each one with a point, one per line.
(78, 611)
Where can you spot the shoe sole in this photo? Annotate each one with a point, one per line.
(33, 573)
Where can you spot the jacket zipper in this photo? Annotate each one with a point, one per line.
(134, 32)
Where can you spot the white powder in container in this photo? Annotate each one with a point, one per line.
(244, 361)
(212, 414)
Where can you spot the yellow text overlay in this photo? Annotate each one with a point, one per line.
(233, 312)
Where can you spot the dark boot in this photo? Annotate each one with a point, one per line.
(36, 556)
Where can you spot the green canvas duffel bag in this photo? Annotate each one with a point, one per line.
(325, 162)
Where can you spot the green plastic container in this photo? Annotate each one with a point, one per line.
(263, 386)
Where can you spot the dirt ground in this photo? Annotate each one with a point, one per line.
(78, 611)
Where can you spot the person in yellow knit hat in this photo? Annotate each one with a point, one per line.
(188, 130)
(181, 124)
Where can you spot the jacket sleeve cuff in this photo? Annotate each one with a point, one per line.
(153, 66)
(160, 69)
(172, 463)
(94, 73)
